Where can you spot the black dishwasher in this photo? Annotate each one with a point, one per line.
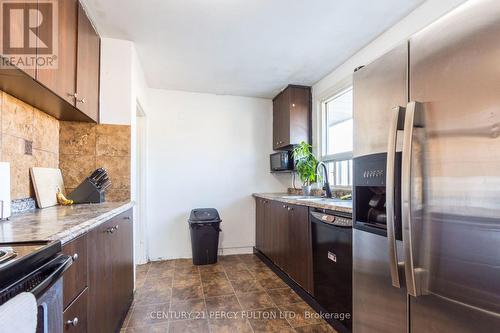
(332, 263)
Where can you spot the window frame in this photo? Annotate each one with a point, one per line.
(339, 157)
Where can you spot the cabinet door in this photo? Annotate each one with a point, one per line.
(278, 230)
(300, 254)
(87, 74)
(62, 80)
(268, 228)
(17, 34)
(272, 231)
(299, 113)
(281, 118)
(291, 117)
(75, 316)
(259, 223)
(276, 123)
(100, 303)
(75, 278)
(282, 238)
(123, 266)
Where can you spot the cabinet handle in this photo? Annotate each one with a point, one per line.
(126, 217)
(284, 206)
(110, 230)
(75, 95)
(73, 322)
(75, 257)
(82, 100)
(116, 227)
(290, 208)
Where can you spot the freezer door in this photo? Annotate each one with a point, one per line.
(378, 307)
(377, 89)
(453, 230)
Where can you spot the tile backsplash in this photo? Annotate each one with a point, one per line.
(85, 147)
(22, 127)
(31, 138)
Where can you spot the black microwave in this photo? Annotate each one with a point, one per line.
(281, 161)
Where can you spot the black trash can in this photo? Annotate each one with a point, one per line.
(204, 224)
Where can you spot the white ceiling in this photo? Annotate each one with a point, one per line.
(244, 47)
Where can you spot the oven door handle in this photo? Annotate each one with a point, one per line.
(57, 266)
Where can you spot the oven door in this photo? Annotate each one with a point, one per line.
(48, 293)
(45, 283)
(50, 310)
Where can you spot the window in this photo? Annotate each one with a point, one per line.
(337, 138)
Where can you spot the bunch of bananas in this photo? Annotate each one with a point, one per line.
(62, 200)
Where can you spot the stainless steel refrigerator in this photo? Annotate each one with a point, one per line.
(426, 239)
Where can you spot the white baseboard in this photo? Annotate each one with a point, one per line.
(235, 250)
(222, 252)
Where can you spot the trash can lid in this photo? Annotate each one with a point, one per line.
(204, 215)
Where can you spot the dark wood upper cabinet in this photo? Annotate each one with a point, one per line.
(70, 91)
(291, 117)
(17, 33)
(62, 80)
(88, 62)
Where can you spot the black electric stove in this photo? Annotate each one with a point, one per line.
(37, 268)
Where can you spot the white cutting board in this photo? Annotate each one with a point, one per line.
(46, 181)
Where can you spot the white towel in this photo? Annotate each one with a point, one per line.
(19, 315)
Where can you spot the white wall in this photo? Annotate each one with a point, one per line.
(341, 77)
(116, 81)
(206, 150)
(123, 86)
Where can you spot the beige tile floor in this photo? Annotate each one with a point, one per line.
(238, 294)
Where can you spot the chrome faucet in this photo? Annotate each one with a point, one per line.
(326, 185)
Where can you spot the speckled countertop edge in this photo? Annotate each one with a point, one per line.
(63, 223)
(341, 206)
(68, 235)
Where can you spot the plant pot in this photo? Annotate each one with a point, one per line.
(306, 190)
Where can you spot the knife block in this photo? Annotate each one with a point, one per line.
(87, 192)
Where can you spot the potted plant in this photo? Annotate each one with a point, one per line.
(305, 165)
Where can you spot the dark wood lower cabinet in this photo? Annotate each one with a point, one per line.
(100, 274)
(300, 249)
(260, 226)
(283, 235)
(123, 261)
(75, 278)
(110, 255)
(75, 315)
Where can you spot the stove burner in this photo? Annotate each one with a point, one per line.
(6, 253)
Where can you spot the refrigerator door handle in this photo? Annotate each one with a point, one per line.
(397, 123)
(414, 118)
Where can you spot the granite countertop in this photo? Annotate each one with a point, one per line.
(63, 223)
(344, 206)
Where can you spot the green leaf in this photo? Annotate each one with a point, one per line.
(305, 163)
